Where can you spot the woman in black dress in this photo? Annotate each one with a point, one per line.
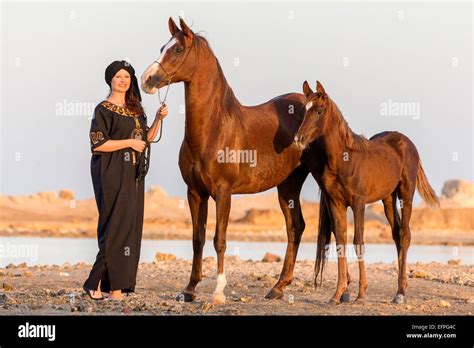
(117, 136)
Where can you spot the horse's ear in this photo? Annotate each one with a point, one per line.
(184, 27)
(320, 88)
(306, 89)
(173, 27)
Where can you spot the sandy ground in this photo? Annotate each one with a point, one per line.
(434, 289)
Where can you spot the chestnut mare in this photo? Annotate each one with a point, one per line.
(215, 123)
(358, 171)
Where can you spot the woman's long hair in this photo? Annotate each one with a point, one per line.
(131, 100)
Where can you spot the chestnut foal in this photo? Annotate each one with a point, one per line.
(357, 172)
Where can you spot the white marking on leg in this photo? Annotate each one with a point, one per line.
(218, 297)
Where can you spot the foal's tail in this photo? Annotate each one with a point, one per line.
(324, 238)
(425, 189)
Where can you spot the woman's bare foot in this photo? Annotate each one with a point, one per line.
(116, 295)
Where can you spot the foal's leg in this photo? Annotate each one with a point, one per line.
(198, 205)
(391, 212)
(289, 199)
(406, 194)
(223, 202)
(358, 209)
(340, 230)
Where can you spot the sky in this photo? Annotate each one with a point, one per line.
(388, 66)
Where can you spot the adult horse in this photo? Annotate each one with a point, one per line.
(216, 122)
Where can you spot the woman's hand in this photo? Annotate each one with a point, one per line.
(137, 145)
(162, 112)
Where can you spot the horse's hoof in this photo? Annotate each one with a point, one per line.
(399, 299)
(359, 301)
(185, 297)
(333, 302)
(218, 299)
(274, 294)
(346, 297)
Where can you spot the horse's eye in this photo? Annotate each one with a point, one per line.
(178, 50)
(320, 112)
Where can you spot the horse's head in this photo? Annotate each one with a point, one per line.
(313, 123)
(176, 62)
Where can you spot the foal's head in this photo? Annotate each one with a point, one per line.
(313, 123)
(176, 62)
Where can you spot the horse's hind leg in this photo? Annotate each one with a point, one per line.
(198, 206)
(391, 212)
(289, 199)
(407, 190)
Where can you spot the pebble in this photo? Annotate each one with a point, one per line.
(206, 306)
(164, 257)
(419, 274)
(7, 286)
(6, 299)
(444, 303)
(456, 262)
(269, 257)
(60, 292)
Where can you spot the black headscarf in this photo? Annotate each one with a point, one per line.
(117, 65)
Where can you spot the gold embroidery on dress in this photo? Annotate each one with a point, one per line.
(96, 137)
(137, 133)
(119, 109)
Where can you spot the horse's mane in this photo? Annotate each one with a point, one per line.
(228, 101)
(351, 140)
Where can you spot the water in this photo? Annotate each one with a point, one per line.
(45, 251)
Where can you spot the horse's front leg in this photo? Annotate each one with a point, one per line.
(198, 204)
(223, 203)
(338, 212)
(359, 209)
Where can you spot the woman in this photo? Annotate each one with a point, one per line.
(117, 135)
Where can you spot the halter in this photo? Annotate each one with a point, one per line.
(145, 158)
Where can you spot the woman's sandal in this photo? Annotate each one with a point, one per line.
(90, 293)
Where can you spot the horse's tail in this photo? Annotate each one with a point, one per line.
(425, 189)
(324, 238)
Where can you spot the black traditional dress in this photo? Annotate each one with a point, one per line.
(119, 196)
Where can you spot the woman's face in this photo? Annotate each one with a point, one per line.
(121, 81)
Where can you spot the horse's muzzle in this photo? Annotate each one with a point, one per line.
(299, 143)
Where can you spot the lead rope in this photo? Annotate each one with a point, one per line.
(147, 152)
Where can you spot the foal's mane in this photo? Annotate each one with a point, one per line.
(351, 140)
(228, 102)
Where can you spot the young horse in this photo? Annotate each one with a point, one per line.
(217, 123)
(360, 171)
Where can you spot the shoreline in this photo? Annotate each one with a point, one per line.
(441, 237)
